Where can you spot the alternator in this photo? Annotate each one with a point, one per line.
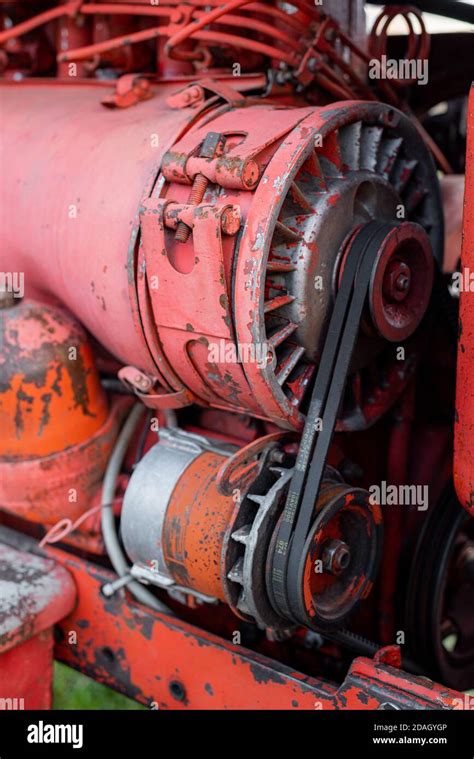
(193, 520)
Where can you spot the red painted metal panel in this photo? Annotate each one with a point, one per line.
(464, 426)
(35, 593)
(26, 674)
(69, 208)
(166, 663)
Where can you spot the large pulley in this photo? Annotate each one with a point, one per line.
(337, 565)
(438, 613)
(339, 560)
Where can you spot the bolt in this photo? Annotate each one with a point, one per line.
(195, 197)
(397, 281)
(312, 640)
(336, 556)
(137, 381)
(213, 145)
(231, 220)
(402, 282)
(277, 456)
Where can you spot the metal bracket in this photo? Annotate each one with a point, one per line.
(195, 94)
(141, 384)
(151, 577)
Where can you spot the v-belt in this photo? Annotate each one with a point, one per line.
(323, 410)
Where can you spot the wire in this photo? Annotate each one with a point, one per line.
(111, 541)
(195, 26)
(66, 526)
(190, 29)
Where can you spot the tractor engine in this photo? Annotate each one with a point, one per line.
(227, 341)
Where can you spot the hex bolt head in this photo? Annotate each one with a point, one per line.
(397, 281)
(336, 556)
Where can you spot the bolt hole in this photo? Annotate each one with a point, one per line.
(108, 654)
(177, 690)
(59, 636)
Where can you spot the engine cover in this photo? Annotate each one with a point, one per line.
(249, 218)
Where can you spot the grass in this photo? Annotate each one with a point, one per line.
(72, 690)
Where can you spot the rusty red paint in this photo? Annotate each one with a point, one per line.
(113, 634)
(464, 422)
(36, 594)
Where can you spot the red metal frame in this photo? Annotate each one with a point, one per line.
(166, 663)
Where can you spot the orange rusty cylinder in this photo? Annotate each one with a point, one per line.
(62, 485)
(50, 393)
(175, 518)
(57, 428)
(197, 521)
(464, 422)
